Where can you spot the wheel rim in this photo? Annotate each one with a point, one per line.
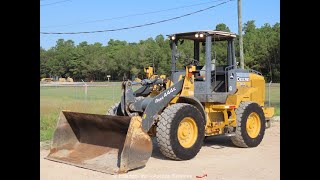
(253, 125)
(187, 132)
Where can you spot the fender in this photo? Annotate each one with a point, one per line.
(195, 102)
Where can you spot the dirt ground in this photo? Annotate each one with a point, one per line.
(218, 158)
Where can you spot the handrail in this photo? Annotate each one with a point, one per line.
(254, 71)
(225, 75)
(269, 92)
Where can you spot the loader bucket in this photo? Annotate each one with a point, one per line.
(109, 144)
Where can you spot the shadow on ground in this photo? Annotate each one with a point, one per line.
(218, 142)
(214, 142)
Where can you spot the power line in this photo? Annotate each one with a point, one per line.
(131, 15)
(54, 3)
(147, 24)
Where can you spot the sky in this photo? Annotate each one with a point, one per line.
(91, 15)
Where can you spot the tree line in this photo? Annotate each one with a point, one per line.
(123, 60)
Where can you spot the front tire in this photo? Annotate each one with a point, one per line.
(180, 131)
(251, 125)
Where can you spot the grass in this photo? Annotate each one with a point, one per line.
(55, 99)
(99, 99)
(274, 97)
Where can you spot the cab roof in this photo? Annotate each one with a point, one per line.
(216, 35)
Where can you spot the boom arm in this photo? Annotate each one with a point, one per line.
(154, 105)
(158, 103)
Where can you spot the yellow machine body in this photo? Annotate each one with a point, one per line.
(149, 71)
(217, 115)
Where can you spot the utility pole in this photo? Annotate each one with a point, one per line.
(154, 68)
(240, 34)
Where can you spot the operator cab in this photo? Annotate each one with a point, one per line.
(213, 81)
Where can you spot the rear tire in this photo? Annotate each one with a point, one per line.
(249, 134)
(169, 136)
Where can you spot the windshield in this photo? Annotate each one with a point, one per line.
(186, 53)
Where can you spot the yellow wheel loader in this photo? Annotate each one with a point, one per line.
(157, 88)
(150, 74)
(225, 100)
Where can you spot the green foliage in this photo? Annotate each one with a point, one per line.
(222, 27)
(122, 60)
(262, 49)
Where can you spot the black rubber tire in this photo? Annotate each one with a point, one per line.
(115, 110)
(167, 127)
(242, 139)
